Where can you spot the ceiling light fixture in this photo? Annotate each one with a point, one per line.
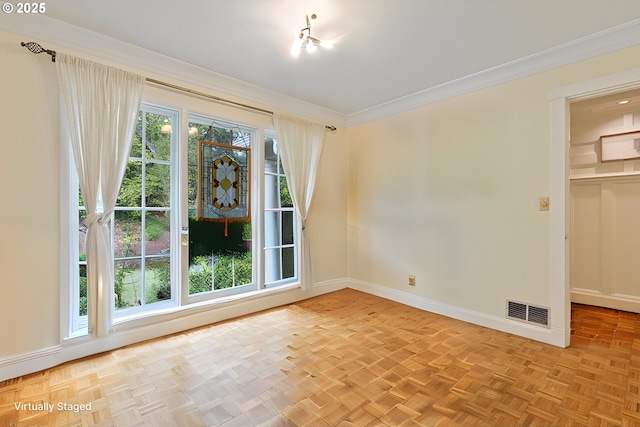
(304, 40)
(624, 101)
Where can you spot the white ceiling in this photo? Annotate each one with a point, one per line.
(384, 49)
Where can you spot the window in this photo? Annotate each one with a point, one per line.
(279, 219)
(141, 226)
(165, 254)
(220, 250)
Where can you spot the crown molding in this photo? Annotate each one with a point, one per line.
(51, 32)
(600, 43)
(57, 35)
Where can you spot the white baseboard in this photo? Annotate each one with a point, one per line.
(610, 301)
(26, 363)
(551, 336)
(72, 349)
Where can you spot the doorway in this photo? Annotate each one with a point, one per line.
(560, 101)
(604, 192)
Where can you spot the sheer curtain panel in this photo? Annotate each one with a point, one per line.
(300, 143)
(101, 106)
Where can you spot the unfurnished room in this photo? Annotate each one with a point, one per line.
(320, 213)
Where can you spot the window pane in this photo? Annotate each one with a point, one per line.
(272, 268)
(223, 276)
(131, 190)
(127, 240)
(219, 252)
(82, 309)
(243, 269)
(82, 235)
(200, 276)
(128, 283)
(285, 197)
(288, 263)
(156, 232)
(157, 283)
(197, 132)
(136, 147)
(231, 270)
(231, 254)
(270, 155)
(271, 192)
(279, 219)
(287, 227)
(271, 227)
(157, 185)
(158, 137)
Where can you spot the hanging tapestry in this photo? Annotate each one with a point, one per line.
(224, 182)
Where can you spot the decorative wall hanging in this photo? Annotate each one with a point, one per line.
(223, 172)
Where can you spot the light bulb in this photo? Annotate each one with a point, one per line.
(311, 47)
(298, 42)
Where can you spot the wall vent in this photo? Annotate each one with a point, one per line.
(528, 313)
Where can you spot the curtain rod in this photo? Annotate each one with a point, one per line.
(36, 48)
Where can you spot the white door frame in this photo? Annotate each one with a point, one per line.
(559, 100)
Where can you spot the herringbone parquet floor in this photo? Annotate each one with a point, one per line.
(346, 359)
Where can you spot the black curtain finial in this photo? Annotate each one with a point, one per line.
(34, 47)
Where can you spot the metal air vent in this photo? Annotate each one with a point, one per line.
(516, 310)
(527, 313)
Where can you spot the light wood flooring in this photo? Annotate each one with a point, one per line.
(347, 359)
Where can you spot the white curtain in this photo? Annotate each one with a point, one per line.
(300, 144)
(102, 105)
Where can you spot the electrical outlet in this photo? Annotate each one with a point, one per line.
(412, 280)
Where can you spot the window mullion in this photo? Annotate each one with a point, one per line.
(258, 215)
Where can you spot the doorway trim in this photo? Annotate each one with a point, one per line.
(559, 103)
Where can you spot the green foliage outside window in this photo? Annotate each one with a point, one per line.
(230, 270)
(151, 150)
(83, 291)
(157, 147)
(285, 196)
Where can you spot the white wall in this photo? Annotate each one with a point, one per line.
(449, 193)
(438, 193)
(30, 217)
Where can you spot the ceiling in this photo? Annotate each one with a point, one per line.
(384, 50)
